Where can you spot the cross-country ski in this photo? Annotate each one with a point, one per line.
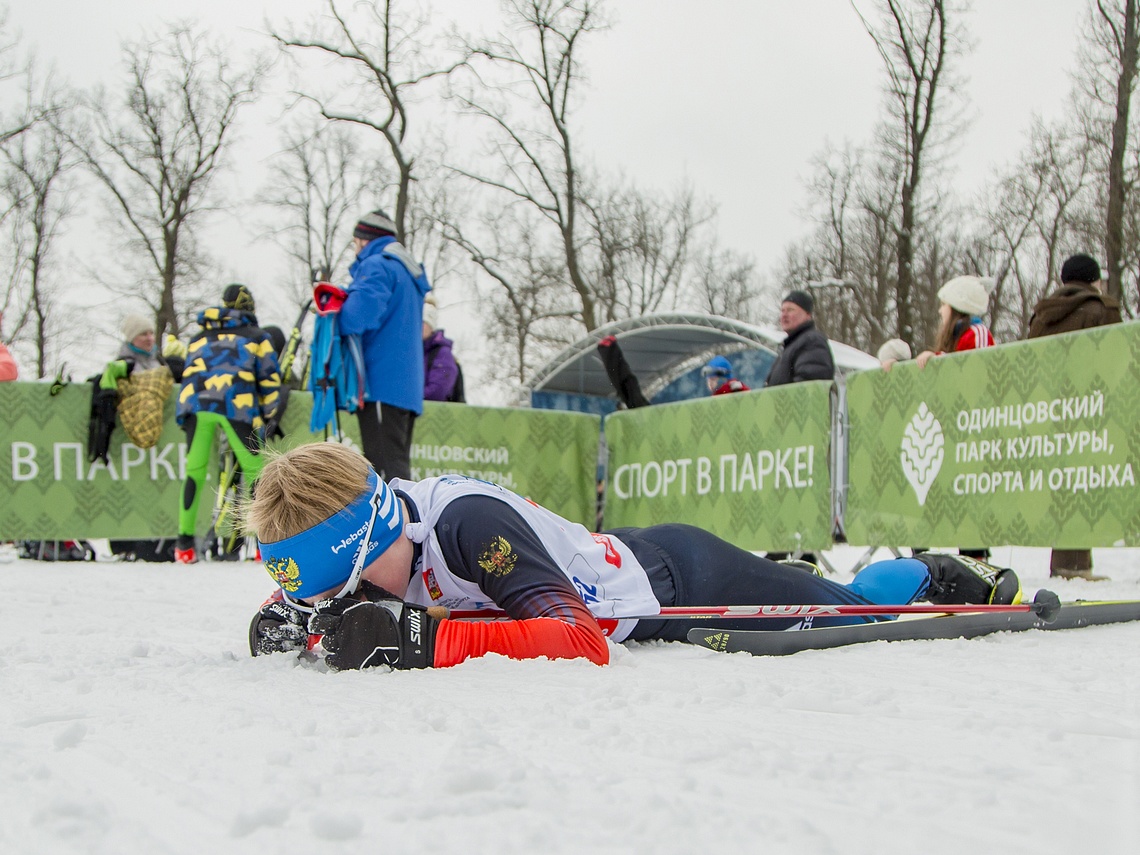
(761, 642)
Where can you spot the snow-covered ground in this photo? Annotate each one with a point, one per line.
(132, 720)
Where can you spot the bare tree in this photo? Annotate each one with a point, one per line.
(1107, 78)
(636, 248)
(723, 282)
(854, 201)
(527, 95)
(319, 183)
(917, 40)
(34, 200)
(22, 109)
(36, 164)
(157, 152)
(436, 204)
(384, 54)
(530, 302)
(1036, 213)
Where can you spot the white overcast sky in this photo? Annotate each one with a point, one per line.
(734, 96)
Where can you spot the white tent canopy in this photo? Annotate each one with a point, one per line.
(660, 347)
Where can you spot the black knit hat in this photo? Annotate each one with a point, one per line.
(238, 297)
(802, 299)
(374, 225)
(1080, 268)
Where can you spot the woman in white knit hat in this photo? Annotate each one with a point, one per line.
(964, 300)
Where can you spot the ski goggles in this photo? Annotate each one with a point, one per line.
(336, 551)
(714, 371)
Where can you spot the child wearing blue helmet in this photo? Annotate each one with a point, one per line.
(718, 376)
(369, 571)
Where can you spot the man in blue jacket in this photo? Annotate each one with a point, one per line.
(384, 306)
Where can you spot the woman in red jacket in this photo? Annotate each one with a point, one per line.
(964, 300)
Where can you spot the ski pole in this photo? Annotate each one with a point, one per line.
(1045, 605)
(294, 344)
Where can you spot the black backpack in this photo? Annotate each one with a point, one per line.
(458, 395)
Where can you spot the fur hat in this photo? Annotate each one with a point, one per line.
(967, 294)
(1080, 268)
(134, 325)
(894, 348)
(802, 299)
(374, 225)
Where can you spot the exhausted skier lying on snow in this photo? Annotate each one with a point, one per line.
(359, 563)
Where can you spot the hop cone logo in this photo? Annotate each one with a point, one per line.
(922, 446)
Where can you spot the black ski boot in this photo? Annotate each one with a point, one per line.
(958, 579)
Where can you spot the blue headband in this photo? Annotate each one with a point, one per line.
(330, 553)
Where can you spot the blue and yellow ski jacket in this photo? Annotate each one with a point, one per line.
(231, 369)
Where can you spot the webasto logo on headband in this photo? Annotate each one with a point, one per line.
(352, 538)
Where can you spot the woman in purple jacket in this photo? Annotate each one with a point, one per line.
(440, 368)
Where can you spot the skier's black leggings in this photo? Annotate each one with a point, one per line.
(688, 566)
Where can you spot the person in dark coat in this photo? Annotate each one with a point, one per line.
(806, 354)
(1077, 305)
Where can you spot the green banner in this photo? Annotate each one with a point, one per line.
(1034, 443)
(750, 467)
(49, 490)
(549, 456)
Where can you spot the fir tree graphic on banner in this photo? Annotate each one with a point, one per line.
(922, 451)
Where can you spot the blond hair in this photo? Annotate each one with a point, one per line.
(302, 487)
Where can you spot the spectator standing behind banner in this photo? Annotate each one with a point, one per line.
(231, 382)
(806, 353)
(8, 370)
(384, 306)
(134, 386)
(964, 300)
(138, 351)
(719, 377)
(137, 383)
(441, 371)
(1077, 305)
